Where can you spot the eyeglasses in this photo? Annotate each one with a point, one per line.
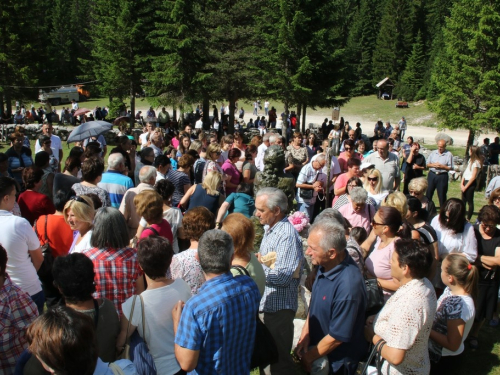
(79, 199)
(372, 178)
(374, 223)
(489, 226)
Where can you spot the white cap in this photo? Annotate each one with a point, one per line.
(366, 166)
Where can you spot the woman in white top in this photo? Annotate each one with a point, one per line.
(404, 324)
(154, 255)
(335, 137)
(455, 310)
(470, 177)
(455, 234)
(373, 185)
(79, 214)
(22, 245)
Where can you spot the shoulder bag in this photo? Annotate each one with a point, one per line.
(45, 270)
(265, 351)
(125, 354)
(374, 294)
(308, 193)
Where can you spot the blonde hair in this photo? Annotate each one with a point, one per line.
(418, 184)
(211, 182)
(465, 273)
(83, 211)
(212, 147)
(378, 187)
(398, 201)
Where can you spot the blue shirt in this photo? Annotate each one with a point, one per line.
(337, 308)
(281, 290)
(220, 322)
(241, 203)
(116, 184)
(15, 161)
(445, 158)
(125, 365)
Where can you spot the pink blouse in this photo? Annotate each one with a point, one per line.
(379, 263)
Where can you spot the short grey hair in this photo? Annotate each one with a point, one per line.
(266, 137)
(275, 198)
(272, 138)
(331, 215)
(147, 173)
(320, 158)
(114, 160)
(215, 250)
(110, 229)
(333, 235)
(358, 195)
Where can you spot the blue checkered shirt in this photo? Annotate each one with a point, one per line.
(281, 290)
(220, 322)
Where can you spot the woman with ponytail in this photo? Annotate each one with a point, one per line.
(455, 311)
(488, 260)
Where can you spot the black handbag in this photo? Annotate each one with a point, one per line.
(265, 351)
(374, 294)
(45, 270)
(308, 193)
(376, 355)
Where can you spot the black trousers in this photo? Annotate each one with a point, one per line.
(468, 198)
(438, 182)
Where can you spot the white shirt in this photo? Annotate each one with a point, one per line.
(83, 245)
(74, 105)
(198, 124)
(157, 150)
(449, 242)
(266, 104)
(18, 238)
(259, 159)
(159, 176)
(144, 140)
(467, 175)
(334, 168)
(159, 330)
(56, 144)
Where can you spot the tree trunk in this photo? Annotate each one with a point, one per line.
(206, 113)
(304, 118)
(132, 105)
(470, 142)
(174, 114)
(232, 104)
(8, 102)
(298, 114)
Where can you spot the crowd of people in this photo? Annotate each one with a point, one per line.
(149, 265)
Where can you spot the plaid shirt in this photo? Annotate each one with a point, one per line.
(116, 271)
(220, 322)
(281, 291)
(17, 312)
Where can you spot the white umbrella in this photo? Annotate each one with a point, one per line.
(89, 129)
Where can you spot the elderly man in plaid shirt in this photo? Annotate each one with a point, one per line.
(279, 302)
(17, 312)
(215, 330)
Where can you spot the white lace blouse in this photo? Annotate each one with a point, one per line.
(405, 322)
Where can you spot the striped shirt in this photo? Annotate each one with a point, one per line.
(179, 179)
(116, 184)
(281, 290)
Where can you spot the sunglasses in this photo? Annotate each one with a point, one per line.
(372, 178)
(217, 153)
(347, 148)
(374, 223)
(79, 199)
(492, 226)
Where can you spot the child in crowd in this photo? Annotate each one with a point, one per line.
(455, 311)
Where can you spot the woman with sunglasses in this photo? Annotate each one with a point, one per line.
(350, 152)
(344, 199)
(488, 240)
(374, 187)
(45, 143)
(455, 233)
(79, 215)
(386, 226)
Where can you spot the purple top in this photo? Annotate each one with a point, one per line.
(232, 171)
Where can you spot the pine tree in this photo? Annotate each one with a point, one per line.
(394, 40)
(467, 77)
(361, 44)
(413, 76)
